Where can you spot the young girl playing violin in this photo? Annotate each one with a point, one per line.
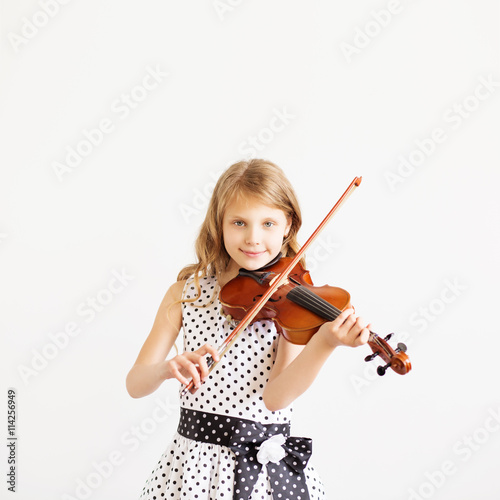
(233, 439)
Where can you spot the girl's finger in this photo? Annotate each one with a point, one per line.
(213, 352)
(364, 336)
(355, 336)
(209, 349)
(203, 367)
(177, 374)
(175, 367)
(343, 316)
(361, 322)
(191, 368)
(199, 361)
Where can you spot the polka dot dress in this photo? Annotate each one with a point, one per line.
(190, 469)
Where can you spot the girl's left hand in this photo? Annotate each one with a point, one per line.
(346, 329)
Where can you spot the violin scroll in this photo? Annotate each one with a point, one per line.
(396, 359)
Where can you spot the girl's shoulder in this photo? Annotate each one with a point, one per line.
(176, 289)
(174, 294)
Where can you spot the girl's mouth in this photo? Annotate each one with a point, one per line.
(253, 254)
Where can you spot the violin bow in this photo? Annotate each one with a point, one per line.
(274, 284)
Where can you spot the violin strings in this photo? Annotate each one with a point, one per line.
(376, 340)
(308, 299)
(320, 306)
(312, 302)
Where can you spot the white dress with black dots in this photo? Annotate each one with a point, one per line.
(190, 469)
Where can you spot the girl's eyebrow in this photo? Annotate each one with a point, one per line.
(236, 216)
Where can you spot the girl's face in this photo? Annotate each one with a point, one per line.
(253, 233)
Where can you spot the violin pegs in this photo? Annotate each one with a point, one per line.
(388, 337)
(371, 357)
(401, 347)
(382, 369)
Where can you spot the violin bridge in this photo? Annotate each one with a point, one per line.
(285, 281)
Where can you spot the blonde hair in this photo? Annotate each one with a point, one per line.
(256, 178)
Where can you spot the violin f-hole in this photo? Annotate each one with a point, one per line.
(269, 300)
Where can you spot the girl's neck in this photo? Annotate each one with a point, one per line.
(225, 277)
(228, 274)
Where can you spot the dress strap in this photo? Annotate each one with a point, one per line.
(255, 445)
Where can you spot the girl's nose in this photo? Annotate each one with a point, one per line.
(252, 236)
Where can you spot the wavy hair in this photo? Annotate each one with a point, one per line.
(256, 178)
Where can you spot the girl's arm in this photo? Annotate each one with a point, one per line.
(297, 366)
(151, 368)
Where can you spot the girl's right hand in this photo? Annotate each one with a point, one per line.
(187, 364)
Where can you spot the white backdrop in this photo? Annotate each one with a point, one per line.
(116, 119)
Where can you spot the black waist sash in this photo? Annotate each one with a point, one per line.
(254, 446)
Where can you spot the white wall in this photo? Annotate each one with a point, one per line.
(364, 87)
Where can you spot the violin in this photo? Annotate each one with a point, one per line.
(299, 308)
(283, 291)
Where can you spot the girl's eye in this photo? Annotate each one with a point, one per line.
(239, 223)
(268, 224)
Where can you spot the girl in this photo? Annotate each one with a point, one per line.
(233, 439)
